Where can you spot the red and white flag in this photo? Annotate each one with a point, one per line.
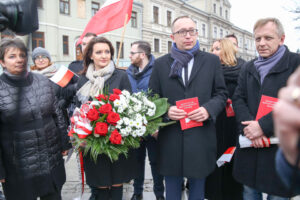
(110, 17)
(226, 157)
(62, 77)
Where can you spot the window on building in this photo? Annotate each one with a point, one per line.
(64, 7)
(156, 45)
(215, 8)
(215, 32)
(95, 7)
(169, 18)
(65, 45)
(226, 32)
(226, 14)
(204, 49)
(221, 33)
(38, 39)
(169, 46)
(40, 3)
(221, 11)
(134, 19)
(81, 9)
(122, 50)
(155, 14)
(241, 42)
(203, 30)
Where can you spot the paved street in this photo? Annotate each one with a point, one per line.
(71, 189)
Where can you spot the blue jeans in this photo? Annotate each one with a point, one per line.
(150, 144)
(252, 194)
(173, 188)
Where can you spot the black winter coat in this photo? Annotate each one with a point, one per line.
(220, 185)
(190, 153)
(104, 172)
(256, 167)
(31, 141)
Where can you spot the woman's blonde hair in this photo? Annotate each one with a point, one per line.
(228, 52)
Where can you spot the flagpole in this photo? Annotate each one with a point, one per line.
(122, 39)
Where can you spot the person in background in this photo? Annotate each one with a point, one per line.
(220, 185)
(77, 65)
(33, 135)
(235, 42)
(139, 73)
(105, 177)
(185, 73)
(287, 124)
(43, 65)
(255, 167)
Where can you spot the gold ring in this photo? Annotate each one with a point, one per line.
(296, 96)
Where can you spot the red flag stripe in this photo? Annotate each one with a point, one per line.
(66, 79)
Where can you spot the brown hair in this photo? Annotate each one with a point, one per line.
(264, 21)
(180, 17)
(89, 51)
(7, 43)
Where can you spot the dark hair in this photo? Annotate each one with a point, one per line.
(89, 51)
(231, 36)
(143, 46)
(7, 43)
(89, 34)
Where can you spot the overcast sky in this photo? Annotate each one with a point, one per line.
(244, 13)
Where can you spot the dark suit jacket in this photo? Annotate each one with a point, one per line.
(190, 153)
(256, 167)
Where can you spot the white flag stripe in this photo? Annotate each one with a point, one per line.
(59, 74)
(223, 159)
(109, 2)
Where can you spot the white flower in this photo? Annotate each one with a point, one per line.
(126, 120)
(120, 109)
(138, 124)
(131, 123)
(128, 129)
(123, 132)
(117, 103)
(126, 93)
(145, 120)
(137, 107)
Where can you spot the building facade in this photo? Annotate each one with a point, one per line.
(61, 22)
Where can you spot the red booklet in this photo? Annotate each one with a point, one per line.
(265, 106)
(188, 105)
(229, 109)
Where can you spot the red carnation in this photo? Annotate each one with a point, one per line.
(101, 97)
(113, 97)
(93, 114)
(113, 118)
(105, 109)
(115, 137)
(117, 91)
(101, 128)
(71, 132)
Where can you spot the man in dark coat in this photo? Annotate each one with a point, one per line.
(139, 73)
(255, 166)
(185, 73)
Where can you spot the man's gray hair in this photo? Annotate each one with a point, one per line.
(264, 21)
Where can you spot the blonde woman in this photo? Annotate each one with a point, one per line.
(220, 184)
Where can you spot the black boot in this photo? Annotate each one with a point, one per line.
(116, 193)
(102, 194)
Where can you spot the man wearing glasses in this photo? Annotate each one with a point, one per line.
(185, 73)
(139, 73)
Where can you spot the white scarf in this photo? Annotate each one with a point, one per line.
(48, 71)
(95, 84)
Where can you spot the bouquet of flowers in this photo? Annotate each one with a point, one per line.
(111, 124)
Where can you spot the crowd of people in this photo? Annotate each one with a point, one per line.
(35, 112)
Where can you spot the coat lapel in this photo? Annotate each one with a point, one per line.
(198, 64)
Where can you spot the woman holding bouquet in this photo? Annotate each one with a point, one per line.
(104, 176)
(33, 135)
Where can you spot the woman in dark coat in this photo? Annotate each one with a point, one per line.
(33, 135)
(220, 185)
(105, 177)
